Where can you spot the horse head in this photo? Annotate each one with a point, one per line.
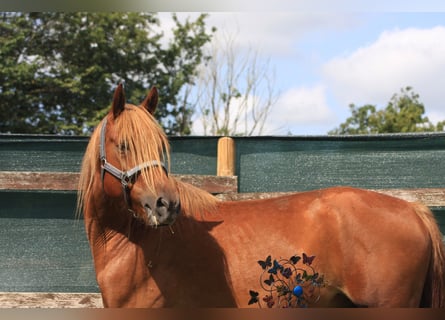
(132, 151)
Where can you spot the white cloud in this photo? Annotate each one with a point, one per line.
(300, 107)
(398, 58)
(298, 110)
(276, 33)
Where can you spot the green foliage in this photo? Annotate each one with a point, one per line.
(181, 69)
(404, 113)
(58, 70)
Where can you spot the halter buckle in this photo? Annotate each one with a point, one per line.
(125, 180)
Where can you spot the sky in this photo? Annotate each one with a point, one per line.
(324, 60)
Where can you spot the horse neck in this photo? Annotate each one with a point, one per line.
(108, 220)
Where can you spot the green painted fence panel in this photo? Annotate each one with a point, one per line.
(43, 247)
(270, 164)
(194, 155)
(439, 213)
(190, 155)
(41, 153)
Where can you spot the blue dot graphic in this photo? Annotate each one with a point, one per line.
(298, 291)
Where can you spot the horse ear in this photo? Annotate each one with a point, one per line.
(151, 101)
(118, 101)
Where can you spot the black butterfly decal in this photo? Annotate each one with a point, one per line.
(270, 280)
(295, 259)
(276, 267)
(253, 297)
(286, 272)
(308, 260)
(269, 301)
(298, 278)
(266, 263)
(267, 298)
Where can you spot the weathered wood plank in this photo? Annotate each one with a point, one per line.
(50, 300)
(225, 187)
(432, 197)
(67, 181)
(212, 184)
(25, 180)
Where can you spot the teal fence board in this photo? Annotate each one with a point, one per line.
(297, 164)
(194, 155)
(41, 153)
(439, 213)
(191, 155)
(43, 247)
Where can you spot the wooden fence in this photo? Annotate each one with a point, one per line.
(45, 251)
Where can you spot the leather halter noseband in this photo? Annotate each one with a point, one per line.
(125, 177)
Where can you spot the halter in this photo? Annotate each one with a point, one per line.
(125, 177)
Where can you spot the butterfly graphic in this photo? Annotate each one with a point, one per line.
(286, 272)
(253, 297)
(308, 260)
(269, 301)
(276, 267)
(294, 259)
(298, 278)
(270, 280)
(266, 263)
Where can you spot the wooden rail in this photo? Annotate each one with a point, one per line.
(50, 300)
(226, 187)
(431, 197)
(67, 181)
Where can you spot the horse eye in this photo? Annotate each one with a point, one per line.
(123, 147)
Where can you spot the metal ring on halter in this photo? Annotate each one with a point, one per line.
(125, 180)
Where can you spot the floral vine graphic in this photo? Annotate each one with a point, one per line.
(287, 284)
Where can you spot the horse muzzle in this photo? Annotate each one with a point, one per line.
(162, 211)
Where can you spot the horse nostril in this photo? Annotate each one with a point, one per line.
(162, 203)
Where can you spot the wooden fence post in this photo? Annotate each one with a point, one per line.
(226, 157)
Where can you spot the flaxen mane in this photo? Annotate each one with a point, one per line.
(195, 201)
(90, 165)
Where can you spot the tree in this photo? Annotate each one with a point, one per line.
(182, 68)
(404, 113)
(235, 90)
(58, 70)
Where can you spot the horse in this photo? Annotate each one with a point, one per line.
(159, 242)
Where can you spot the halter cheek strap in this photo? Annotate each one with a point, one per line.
(125, 177)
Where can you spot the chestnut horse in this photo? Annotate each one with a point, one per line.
(159, 242)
